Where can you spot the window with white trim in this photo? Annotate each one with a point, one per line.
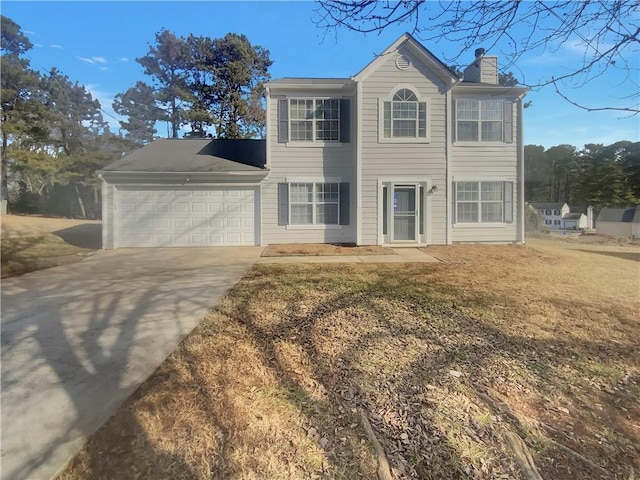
(404, 116)
(479, 120)
(480, 202)
(556, 222)
(314, 120)
(314, 203)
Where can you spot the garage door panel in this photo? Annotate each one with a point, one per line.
(182, 217)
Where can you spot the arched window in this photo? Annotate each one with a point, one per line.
(405, 116)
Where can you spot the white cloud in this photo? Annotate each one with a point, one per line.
(56, 46)
(103, 68)
(37, 44)
(29, 32)
(92, 60)
(123, 59)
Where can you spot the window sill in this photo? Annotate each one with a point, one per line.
(481, 144)
(481, 225)
(313, 144)
(403, 140)
(313, 227)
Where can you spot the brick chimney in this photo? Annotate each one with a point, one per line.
(484, 69)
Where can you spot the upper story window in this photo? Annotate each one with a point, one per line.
(313, 121)
(556, 212)
(547, 212)
(404, 117)
(484, 120)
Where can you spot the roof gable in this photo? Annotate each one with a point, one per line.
(422, 53)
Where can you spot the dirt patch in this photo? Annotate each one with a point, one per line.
(271, 383)
(323, 249)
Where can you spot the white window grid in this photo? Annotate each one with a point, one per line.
(479, 202)
(314, 203)
(479, 120)
(405, 116)
(314, 120)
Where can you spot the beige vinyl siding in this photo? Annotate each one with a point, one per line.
(496, 162)
(108, 224)
(387, 160)
(313, 163)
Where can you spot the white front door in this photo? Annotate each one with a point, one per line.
(402, 212)
(404, 219)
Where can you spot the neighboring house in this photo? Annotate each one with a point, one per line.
(402, 153)
(559, 216)
(619, 222)
(552, 214)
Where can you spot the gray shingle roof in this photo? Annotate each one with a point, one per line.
(194, 155)
(309, 81)
(550, 206)
(572, 216)
(626, 215)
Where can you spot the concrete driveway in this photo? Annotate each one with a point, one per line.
(79, 339)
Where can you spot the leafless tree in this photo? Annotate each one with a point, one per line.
(605, 32)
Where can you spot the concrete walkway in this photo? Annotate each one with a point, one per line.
(78, 339)
(403, 255)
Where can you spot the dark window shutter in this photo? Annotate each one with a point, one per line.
(283, 204)
(508, 122)
(385, 206)
(454, 126)
(508, 202)
(421, 199)
(345, 120)
(283, 120)
(344, 203)
(453, 203)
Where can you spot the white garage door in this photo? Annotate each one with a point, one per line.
(158, 217)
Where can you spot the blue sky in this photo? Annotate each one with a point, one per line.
(96, 44)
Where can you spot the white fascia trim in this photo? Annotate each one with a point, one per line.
(358, 192)
(169, 186)
(449, 179)
(193, 174)
(461, 89)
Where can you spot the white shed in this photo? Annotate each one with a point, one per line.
(619, 222)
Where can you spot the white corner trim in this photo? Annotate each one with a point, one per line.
(358, 193)
(267, 129)
(449, 178)
(520, 210)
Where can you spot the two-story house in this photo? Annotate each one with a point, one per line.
(402, 153)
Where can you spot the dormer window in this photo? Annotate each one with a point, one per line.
(405, 117)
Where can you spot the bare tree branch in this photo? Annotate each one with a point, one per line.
(606, 32)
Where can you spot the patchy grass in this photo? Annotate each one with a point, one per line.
(323, 249)
(270, 384)
(21, 255)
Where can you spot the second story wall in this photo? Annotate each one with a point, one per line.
(384, 157)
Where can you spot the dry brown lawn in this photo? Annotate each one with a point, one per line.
(271, 383)
(323, 249)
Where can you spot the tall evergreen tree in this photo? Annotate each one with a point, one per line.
(138, 104)
(166, 62)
